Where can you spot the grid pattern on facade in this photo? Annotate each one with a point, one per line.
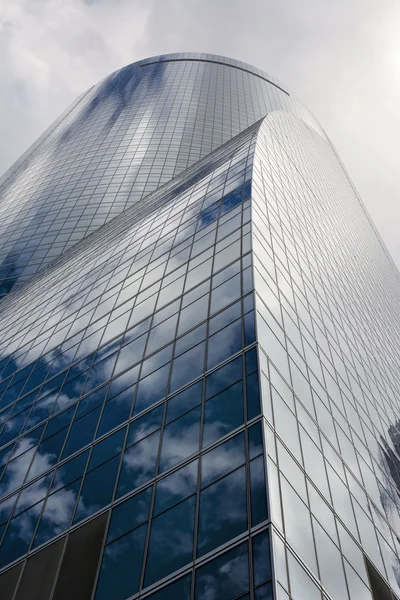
(128, 135)
(328, 323)
(123, 403)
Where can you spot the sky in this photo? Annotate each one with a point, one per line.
(341, 58)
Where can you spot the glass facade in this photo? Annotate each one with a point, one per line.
(198, 401)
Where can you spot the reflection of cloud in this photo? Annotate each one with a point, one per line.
(234, 571)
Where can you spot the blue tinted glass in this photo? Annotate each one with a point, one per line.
(190, 339)
(223, 377)
(98, 488)
(225, 294)
(59, 422)
(156, 361)
(116, 411)
(13, 427)
(6, 507)
(121, 566)
(48, 453)
(224, 577)
(264, 592)
(27, 441)
(249, 328)
(223, 344)
(94, 399)
(161, 334)
(81, 432)
(180, 439)
(253, 396)
(187, 366)
(224, 318)
(107, 448)
(247, 276)
(15, 471)
(171, 541)
(19, 534)
(138, 464)
(100, 372)
(40, 411)
(179, 590)
(251, 361)
(126, 380)
(259, 507)
(130, 514)
(223, 513)
(57, 513)
(176, 486)
(222, 459)
(223, 413)
(184, 401)
(70, 470)
(130, 354)
(261, 558)
(151, 389)
(232, 199)
(140, 428)
(255, 440)
(33, 493)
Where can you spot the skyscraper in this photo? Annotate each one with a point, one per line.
(199, 334)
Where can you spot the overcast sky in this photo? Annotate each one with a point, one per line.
(341, 57)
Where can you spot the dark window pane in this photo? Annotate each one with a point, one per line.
(251, 361)
(261, 558)
(171, 541)
(70, 470)
(264, 592)
(138, 464)
(221, 378)
(57, 513)
(81, 432)
(255, 440)
(176, 486)
(97, 490)
(19, 534)
(33, 493)
(190, 339)
(48, 453)
(188, 366)
(59, 422)
(151, 389)
(223, 413)
(107, 448)
(224, 318)
(259, 510)
(222, 459)
(224, 577)
(180, 439)
(116, 411)
(253, 396)
(184, 401)
(179, 590)
(223, 513)
(94, 399)
(145, 425)
(129, 514)
(124, 381)
(225, 293)
(223, 344)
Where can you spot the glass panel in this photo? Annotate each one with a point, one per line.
(224, 577)
(223, 413)
(121, 566)
(184, 401)
(138, 464)
(171, 541)
(180, 439)
(222, 459)
(176, 487)
(223, 513)
(98, 488)
(129, 514)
